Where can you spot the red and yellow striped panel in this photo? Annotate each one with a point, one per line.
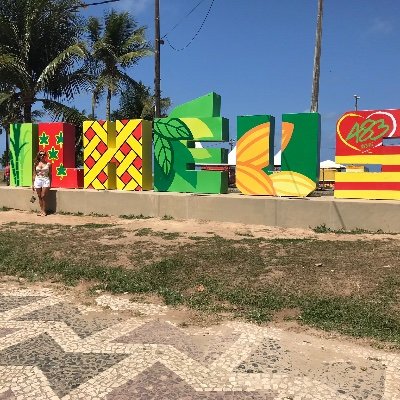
(114, 154)
(367, 185)
(368, 138)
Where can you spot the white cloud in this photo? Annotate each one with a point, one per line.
(133, 6)
(380, 26)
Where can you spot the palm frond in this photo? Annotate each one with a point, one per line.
(69, 84)
(105, 52)
(125, 79)
(133, 57)
(137, 39)
(72, 52)
(59, 111)
(94, 29)
(13, 68)
(37, 115)
(5, 97)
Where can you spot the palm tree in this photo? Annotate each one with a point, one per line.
(38, 52)
(10, 111)
(114, 47)
(136, 101)
(317, 59)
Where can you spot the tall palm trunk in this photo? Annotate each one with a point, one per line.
(317, 60)
(108, 104)
(27, 100)
(27, 111)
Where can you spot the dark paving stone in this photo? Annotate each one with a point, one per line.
(7, 331)
(83, 325)
(159, 382)
(204, 349)
(360, 379)
(266, 358)
(10, 302)
(64, 371)
(8, 395)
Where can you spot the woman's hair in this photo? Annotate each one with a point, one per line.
(38, 157)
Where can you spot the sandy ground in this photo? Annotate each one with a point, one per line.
(186, 227)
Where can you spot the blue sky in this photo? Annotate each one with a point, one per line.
(258, 55)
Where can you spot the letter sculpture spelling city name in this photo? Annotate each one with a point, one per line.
(367, 138)
(118, 155)
(300, 155)
(175, 155)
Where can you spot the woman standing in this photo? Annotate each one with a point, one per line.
(41, 179)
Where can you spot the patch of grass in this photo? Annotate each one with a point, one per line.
(5, 208)
(92, 214)
(353, 317)
(259, 316)
(92, 225)
(75, 214)
(168, 235)
(164, 235)
(197, 238)
(144, 232)
(132, 216)
(354, 291)
(12, 223)
(357, 231)
(167, 218)
(248, 234)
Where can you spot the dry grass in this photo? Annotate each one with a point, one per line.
(347, 284)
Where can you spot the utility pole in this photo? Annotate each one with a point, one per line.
(157, 43)
(7, 130)
(317, 60)
(356, 98)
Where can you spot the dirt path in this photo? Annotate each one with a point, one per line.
(186, 227)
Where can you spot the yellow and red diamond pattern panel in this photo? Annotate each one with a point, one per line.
(113, 154)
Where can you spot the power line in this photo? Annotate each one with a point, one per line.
(84, 5)
(178, 23)
(196, 34)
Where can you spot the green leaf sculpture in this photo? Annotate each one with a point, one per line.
(163, 153)
(172, 128)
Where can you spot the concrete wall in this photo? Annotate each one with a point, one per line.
(370, 215)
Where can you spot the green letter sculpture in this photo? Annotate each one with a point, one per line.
(175, 155)
(23, 140)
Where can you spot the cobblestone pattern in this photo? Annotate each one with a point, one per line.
(53, 349)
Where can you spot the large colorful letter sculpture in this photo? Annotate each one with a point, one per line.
(300, 155)
(58, 139)
(175, 155)
(117, 155)
(23, 146)
(363, 137)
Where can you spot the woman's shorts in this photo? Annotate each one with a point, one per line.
(41, 183)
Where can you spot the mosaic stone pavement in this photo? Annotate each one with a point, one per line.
(52, 348)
